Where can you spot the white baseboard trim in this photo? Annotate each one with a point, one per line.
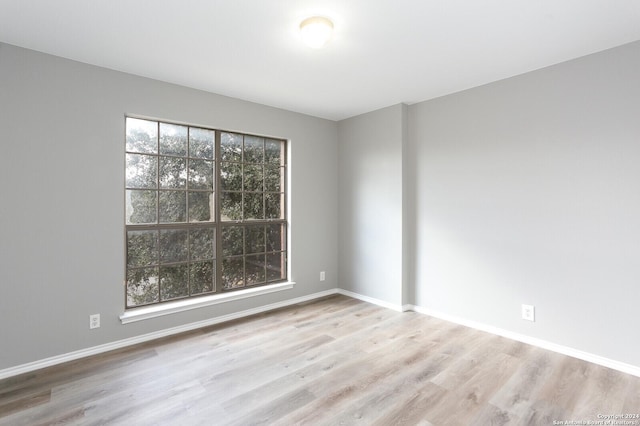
(372, 300)
(564, 350)
(82, 353)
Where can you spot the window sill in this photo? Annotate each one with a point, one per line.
(140, 314)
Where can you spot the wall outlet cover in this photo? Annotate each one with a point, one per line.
(528, 312)
(94, 321)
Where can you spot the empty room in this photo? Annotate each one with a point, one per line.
(279, 212)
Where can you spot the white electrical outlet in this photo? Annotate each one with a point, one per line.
(528, 312)
(322, 276)
(94, 321)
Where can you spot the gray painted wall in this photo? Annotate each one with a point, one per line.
(370, 157)
(528, 191)
(62, 203)
(521, 191)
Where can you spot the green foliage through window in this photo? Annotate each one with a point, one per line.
(205, 211)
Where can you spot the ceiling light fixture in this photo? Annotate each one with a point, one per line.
(316, 31)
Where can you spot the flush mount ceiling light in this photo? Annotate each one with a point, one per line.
(316, 31)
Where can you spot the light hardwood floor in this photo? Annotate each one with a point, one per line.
(329, 362)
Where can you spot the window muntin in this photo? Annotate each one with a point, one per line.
(205, 211)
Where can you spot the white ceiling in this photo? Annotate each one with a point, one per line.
(383, 51)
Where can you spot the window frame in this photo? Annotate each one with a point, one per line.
(216, 223)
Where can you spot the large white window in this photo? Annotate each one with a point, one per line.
(205, 211)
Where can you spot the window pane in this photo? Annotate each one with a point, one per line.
(254, 241)
(174, 281)
(201, 142)
(142, 171)
(273, 152)
(173, 172)
(142, 248)
(201, 207)
(202, 243)
(273, 206)
(232, 240)
(275, 237)
(173, 139)
(142, 135)
(141, 207)
(253, 149)
(201, 277)
(253, 177)
(173, 207)
(255, 266)
(200, 174)
(142, 286)
(231, 176)
(172, 190)
(231, 147)
(231, 208)
(173, 245)
(276, 267)
(273, 178)
(232, 273)
(253, 206)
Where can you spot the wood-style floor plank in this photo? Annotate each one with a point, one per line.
(519, 392)
(334, 361)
